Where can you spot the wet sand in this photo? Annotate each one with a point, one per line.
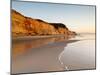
(39, 37)
(53, 54)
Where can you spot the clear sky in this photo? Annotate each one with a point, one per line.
(77, 18)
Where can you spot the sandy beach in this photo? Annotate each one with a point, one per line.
(38, 36)
(53, 54)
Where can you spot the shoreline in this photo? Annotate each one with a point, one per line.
(39, 37)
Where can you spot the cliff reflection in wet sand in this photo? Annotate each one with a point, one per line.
(38, 55)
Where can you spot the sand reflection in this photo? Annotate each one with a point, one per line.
(38, 55)
(20, 47)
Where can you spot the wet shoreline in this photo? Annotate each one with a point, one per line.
(53, 54)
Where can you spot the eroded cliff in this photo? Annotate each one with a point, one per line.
(26, 26)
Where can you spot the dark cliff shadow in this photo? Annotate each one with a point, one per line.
(38, 55)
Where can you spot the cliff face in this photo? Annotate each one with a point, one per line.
(26, 26)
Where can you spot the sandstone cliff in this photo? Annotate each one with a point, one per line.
(26, 26)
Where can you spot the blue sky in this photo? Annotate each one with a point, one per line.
(76, 17)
